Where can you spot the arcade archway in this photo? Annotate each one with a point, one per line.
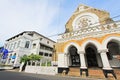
(113, 52)
(92, 57)
(74, 56)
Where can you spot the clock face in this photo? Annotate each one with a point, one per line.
(84, 21)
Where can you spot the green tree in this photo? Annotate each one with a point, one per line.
(34, 57)
(24, 59)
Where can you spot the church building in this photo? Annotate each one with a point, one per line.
(91, 40)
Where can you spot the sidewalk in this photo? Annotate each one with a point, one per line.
(59, 75)
(5, 67)
(82, 77)
(65, 76)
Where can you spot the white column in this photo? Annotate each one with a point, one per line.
(31, 63)
(35, 63)
(104, 58)
(16, 60)
(7, 59)
(46, 64)
(66, 59)
(27, 63)
(82, 60)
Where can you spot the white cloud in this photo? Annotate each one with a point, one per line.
(24, 15)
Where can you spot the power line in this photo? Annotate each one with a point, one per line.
(106, 19)
(55, 35)
(116, 16)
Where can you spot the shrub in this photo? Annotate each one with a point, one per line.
(32, 57)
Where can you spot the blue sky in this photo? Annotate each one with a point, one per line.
(47, 17)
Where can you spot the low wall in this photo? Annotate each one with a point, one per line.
(42, 70)
(6, 68)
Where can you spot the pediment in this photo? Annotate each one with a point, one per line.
(86, 16)
(82, 7)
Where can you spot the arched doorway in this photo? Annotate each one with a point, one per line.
(74, 56)
(92, 57)
(113, 52)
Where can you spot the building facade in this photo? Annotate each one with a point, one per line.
(26, 43)
(91, 39)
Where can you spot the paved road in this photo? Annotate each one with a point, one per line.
(10, 75)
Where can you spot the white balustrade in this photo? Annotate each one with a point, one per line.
(91, 31)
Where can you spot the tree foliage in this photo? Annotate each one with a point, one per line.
(24, 58)
(32, 57)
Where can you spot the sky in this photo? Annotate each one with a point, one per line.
(47, 17)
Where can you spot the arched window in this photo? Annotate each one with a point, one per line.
(14, 45)
(11, 46)
(8, 46)
(34, 45)
(27, 44)
(18, 44)
(113, 48)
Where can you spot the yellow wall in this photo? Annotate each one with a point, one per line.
(61, 46)
(104, 18)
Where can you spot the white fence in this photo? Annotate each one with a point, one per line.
(42, 70)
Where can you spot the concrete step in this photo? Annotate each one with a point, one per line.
(74, 71)
(99, 74)
(96, 73)
(77, 74)
(117, 72)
